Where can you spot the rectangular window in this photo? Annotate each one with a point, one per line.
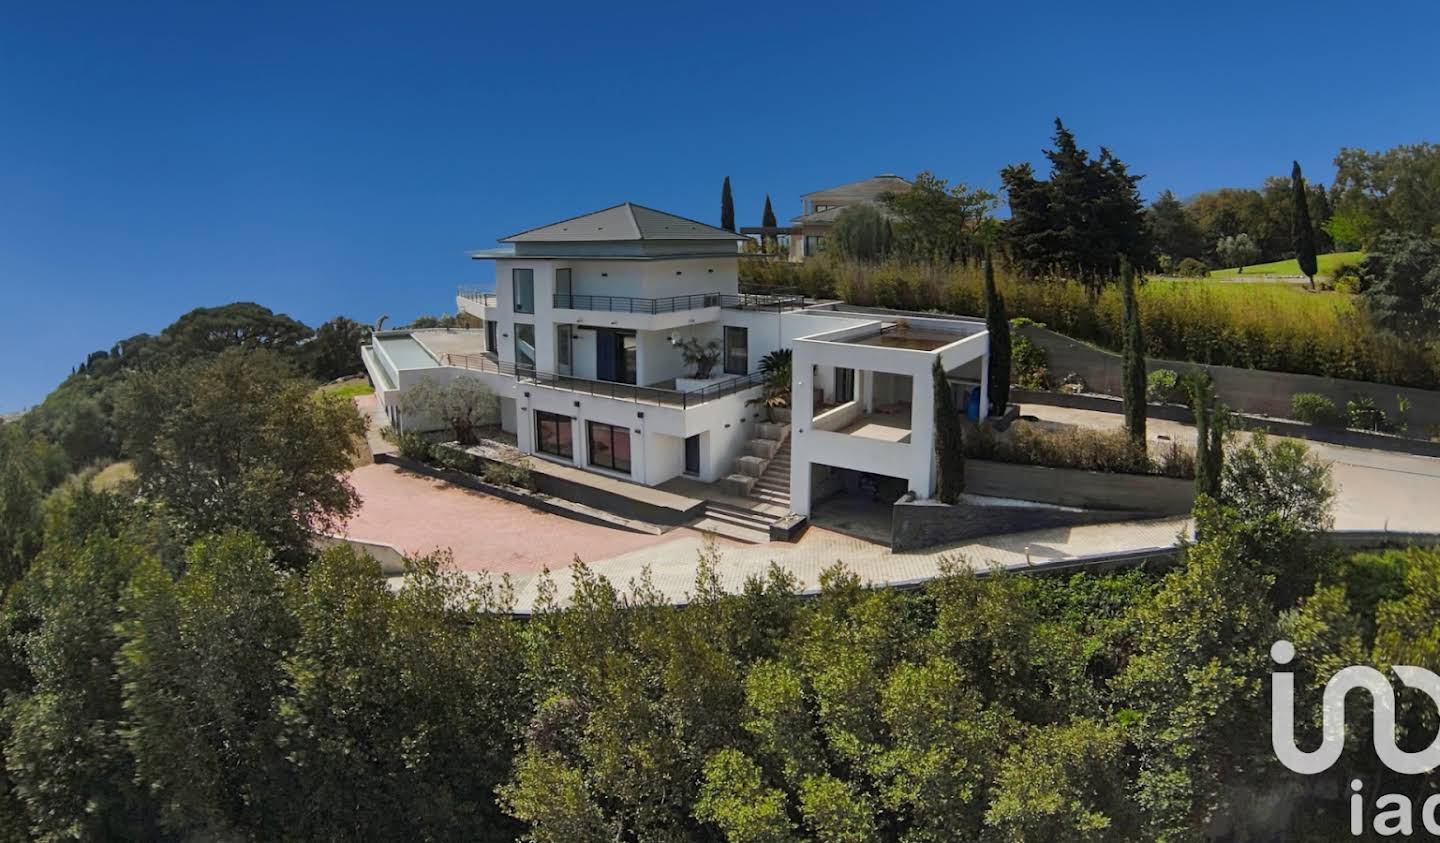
(562, 348)
(525, 345)
(562, 285)
(609, 446)
(492, 343)
(737, 351)
(523, 281)
(844, 385)
(552, 433)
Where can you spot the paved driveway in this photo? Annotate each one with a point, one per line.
(419, 515)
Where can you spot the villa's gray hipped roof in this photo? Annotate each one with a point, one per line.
(626, 221)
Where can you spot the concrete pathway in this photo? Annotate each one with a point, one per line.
(671, 566)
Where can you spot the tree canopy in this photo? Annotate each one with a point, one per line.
(241, 441)
(1079, 220)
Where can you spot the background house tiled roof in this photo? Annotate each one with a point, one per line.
(626, 221)
(867, 190)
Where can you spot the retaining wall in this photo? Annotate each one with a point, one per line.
(1279, 427)
(1246, 390)
(1129, 493)
(920, 524)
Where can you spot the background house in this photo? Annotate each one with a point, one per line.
(809, 233)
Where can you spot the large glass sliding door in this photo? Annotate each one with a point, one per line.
(553, 435)
(609, 446)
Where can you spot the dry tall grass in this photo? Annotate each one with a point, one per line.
(1259, 326)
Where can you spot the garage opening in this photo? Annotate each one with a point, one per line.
(858, 503)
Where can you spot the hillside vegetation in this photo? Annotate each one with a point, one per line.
(1256, 326)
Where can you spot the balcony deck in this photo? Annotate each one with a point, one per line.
(657, 395)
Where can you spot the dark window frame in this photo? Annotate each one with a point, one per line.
(611, 434)
(515, 298)
(544, 418)
(736, 359)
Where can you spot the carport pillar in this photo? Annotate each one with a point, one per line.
(802, 415)
(984, 412)
(921, 474)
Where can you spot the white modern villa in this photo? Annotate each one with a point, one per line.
(581, 336)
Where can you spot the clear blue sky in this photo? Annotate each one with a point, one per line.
(341, 159)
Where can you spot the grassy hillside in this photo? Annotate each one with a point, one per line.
(1327, 264)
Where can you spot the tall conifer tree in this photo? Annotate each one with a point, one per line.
(997, 321)
(1132, 386)
(1301, 230)
(727, 207)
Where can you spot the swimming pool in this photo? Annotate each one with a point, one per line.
(405, 352)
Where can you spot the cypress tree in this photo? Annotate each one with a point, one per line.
(1132, 364)
(767, 219)
(1211, 429)
(727, 207)
(997, 321)
(1301, 231)
(949, 441)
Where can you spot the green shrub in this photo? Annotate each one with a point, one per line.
(1192, 268)
(454, 459)
(1030, 364)
(1111, 451)
(1314, 408)
(1163, 386)
(1362, 414)
(412, 446)
(510, 473)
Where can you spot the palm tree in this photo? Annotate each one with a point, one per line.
(777, 367)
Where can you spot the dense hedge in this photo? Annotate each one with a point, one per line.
(1251, 326)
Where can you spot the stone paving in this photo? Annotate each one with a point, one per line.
(671, 566)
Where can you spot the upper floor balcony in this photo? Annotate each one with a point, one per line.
(658, 395)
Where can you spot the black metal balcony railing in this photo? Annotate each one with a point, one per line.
(479, 295)
(781, 300)
(631, 304)
(605, 389)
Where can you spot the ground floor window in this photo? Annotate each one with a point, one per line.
(552, 433)
(609, 446)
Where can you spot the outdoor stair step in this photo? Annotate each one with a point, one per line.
(753, 521)
(771, 430)
(765, 448)
(734, 532)
(738, 485)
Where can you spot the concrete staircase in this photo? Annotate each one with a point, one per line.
(735, 522)
(773, 487)
(750, 468)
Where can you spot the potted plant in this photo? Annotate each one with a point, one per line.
(700, 357)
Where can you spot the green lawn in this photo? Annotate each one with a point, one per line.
(349, 388)
(1327, 264)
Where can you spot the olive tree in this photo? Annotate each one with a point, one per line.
(463, 405)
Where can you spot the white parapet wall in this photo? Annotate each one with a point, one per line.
(818, 442)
